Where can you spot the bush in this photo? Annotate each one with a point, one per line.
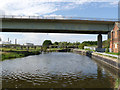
(107, 50)
(44, 49)
(81, 46)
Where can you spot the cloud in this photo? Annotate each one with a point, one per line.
(42, 7)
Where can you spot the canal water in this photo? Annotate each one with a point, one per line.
(55, 70)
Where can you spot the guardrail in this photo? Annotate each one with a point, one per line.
(57, 17)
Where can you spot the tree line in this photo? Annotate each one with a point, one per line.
(47, 43)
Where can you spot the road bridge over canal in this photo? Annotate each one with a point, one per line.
(58, 25)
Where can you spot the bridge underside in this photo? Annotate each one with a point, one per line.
(54, 31)
(56, 26)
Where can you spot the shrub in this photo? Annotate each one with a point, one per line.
(81, 46)
(107, 50)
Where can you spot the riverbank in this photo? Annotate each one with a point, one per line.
(17, 54)
(14, 53)
(58, 50)
(109, 60)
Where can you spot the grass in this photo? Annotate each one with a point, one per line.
(117, 83)
(113, 53)
(11, 53)
(108, 56)
(18, 49)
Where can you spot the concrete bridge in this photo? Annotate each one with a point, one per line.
(64, 25)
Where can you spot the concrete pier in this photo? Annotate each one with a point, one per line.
(99, 41)
(99, 48)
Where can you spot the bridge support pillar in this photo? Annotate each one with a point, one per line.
(99, 41)
(99, 48)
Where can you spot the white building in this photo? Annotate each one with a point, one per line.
(90, 47)
(5, 42)
(29, 44)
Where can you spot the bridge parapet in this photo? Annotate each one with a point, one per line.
(58, 17)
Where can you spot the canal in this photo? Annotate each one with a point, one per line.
(55, 70)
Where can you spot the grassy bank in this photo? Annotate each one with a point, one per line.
(109, 56)
(113, 53)
(12, 55)
(18, 49)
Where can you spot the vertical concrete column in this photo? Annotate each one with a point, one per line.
(99, 41)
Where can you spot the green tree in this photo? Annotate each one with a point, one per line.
(89, 43)
(106, 43)
(47, 43)
(61, 45)
(55, 43)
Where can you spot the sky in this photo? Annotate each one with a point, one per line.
(57, 8)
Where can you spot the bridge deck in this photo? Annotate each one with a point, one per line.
(49, 25)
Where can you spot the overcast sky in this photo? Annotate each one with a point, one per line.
(73, 8)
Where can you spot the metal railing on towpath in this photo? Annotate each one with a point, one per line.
(57, 17)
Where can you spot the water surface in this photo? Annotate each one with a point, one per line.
(55, 70)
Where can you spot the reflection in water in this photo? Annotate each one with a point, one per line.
(114, 72)
(99, 71)
(55, 70)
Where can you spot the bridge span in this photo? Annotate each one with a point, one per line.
(55, 25)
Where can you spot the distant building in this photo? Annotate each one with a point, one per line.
(90, 47)
(29, 44)
(5, 42)
(115, 38)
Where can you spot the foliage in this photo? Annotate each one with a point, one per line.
(106, 43)
(62, 44)
(11, 55)
(107, 50)
(89, 43)
(46, 43)
(66, 43)
(55, 43)
(44, 49)
(14, 49)
(18, 54)
(81, 46)
(113, 53)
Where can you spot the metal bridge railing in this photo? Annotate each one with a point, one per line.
(57, 17)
